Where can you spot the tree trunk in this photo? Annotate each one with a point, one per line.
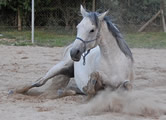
(83, 3)
(67, 26)
(93, 5)
(74, 28)
(128, 3)
(67, 18)
(19, 20)
(16, 20)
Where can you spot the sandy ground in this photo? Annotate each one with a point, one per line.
(22, 65)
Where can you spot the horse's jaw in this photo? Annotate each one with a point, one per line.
(75, 59)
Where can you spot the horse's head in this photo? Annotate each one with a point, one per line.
(88, 31)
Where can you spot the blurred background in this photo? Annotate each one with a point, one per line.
(142, 22)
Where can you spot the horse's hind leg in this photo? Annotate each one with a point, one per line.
(58, 82)
(61, 87)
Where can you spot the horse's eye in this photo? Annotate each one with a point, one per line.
(92, 31)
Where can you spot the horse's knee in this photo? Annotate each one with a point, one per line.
(94, 76)
(94, 84)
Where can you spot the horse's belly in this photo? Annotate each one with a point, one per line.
(82, 72)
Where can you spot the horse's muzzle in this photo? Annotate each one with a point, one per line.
(75, 54)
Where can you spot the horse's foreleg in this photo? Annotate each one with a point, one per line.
(94, 84)
(62, 68)
(60, 88)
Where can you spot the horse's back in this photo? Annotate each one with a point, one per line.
(82, 72)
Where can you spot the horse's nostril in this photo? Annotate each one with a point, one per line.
(77, 52)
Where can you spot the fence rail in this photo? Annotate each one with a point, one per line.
(61, 16)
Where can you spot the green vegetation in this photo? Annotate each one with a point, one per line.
(51, 39)
(146, 40)
(42, 38)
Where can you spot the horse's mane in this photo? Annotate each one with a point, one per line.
(115, 32)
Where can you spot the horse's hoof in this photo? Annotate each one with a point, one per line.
(60, 92)
(127, 85)
(36, 85)
(11, 92)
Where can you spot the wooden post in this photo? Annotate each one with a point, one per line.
(163, 5)
(83, 3)
(162, 15)
(149, 21)
(163, 20)
(19, 19)
(93, 5)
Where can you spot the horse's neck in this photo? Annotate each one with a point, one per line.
(107, 43)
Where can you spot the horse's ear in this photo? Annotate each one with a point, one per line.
(83, 11)
(102, 15)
